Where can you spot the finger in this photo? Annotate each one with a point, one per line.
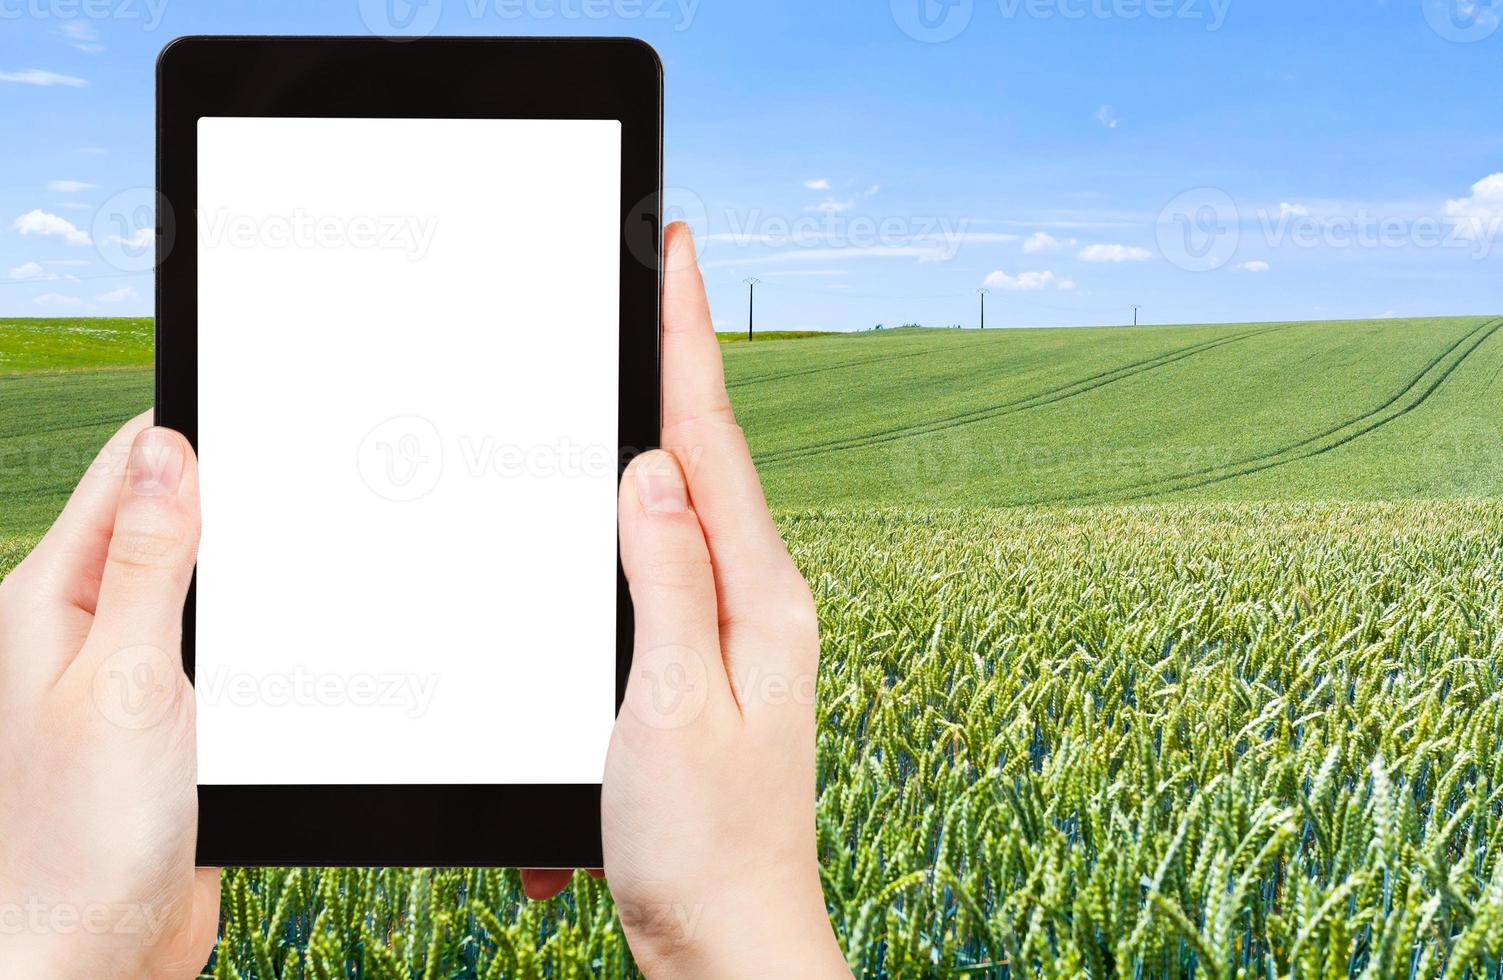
(149, 563)
(59, 580)
(677, 676)
(758, 586)
(539, 885)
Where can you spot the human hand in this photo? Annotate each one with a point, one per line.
(708, 802)
(98, 795)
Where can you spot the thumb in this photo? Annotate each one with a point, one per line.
(677, 670)
(151, 553)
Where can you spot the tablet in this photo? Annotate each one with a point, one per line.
(407, 309)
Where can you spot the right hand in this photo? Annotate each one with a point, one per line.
(708, 803)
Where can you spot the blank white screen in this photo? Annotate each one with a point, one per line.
(407, 397)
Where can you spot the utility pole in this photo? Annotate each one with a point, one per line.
(751, 306)
(983, 293)
(1135, 309)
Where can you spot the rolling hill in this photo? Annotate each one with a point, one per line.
(1360, 410)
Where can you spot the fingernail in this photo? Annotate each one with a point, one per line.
(156, 463)
(660, 487)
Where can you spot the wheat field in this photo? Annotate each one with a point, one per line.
(1151, 741)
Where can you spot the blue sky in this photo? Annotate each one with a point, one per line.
(878, 162)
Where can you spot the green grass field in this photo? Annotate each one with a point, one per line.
(1366, 410)
(1160, 652)
(65, 386)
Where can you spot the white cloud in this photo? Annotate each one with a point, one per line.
(68, 262)
(1114, 253)
(1256, 265)
(1042, 241)
(873, 189)
(69, 186)
(36, 76)
(817, 184)
(39, 222)
(32, 272)
(142, 238)
(58, 300)
(1287, 210)
(81, 34)
(831, 206)
(1479, 216)
(118, 295)
(1027, 281)
(1106, 117)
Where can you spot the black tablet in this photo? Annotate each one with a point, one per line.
(407, 312)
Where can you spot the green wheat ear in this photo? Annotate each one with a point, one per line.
(1156, 741)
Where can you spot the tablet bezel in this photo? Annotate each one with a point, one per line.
(542, 826)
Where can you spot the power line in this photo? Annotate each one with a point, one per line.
(751, 305)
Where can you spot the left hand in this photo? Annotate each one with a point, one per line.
(98, 795)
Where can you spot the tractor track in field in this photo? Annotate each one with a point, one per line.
(1279, 457)
(1041, 399)
(59, 429)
